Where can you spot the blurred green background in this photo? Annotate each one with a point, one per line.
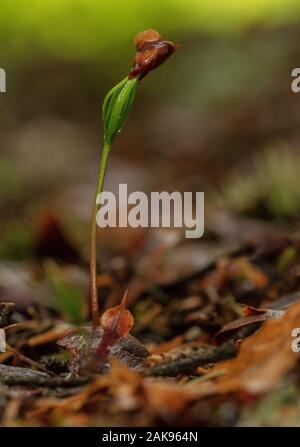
(219, 116)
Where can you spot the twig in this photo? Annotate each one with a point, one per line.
(201, 357)
(30, 361)
(12, 375)
(198, 358)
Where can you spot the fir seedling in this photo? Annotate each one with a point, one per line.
(151, 52)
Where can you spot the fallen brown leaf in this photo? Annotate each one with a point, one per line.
(252, 315)
(259, 317)
(264, 358)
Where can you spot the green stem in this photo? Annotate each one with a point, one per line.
(93, 242)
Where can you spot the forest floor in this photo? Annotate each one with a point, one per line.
(213, 340)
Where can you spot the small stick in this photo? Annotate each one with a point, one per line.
(30, 361)
(201, 357)
(12, 375)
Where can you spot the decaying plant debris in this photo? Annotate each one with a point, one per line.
(171, 370)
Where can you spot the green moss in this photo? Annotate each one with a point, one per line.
(271, 185)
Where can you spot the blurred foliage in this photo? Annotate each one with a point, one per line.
(67, 298)
(79, 30)
(286, 258)
(278, 408)
(9, 181)
(273, 185)
(16, 242)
